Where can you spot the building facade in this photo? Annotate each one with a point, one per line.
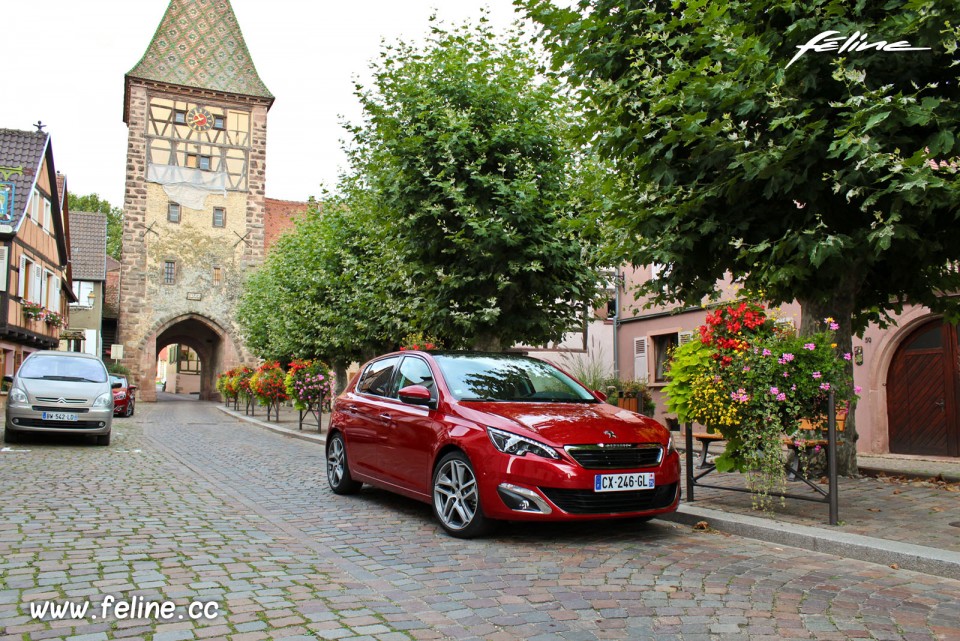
(88, 270)
(194, 203)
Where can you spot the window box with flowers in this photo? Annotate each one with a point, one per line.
(31, 310)
(756, 383)
(53, 318)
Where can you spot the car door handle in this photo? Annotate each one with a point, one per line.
(386, 418)
(939, 403)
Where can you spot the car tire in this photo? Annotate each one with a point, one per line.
(103, 439)
(130, 408)
(10, 436)
(456, 498)
(338, 470)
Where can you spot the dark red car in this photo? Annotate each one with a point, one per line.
(486, 437)
(124, 397)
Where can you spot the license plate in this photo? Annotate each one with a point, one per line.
(623, 482)
(59, 416)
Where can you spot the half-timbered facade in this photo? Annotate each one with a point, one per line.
(34, 254)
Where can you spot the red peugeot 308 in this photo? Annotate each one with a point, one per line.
(486, 437)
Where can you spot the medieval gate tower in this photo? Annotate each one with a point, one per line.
(196, 111)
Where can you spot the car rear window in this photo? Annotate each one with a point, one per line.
(64, 368)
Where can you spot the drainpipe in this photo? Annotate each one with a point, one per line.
(617, 283)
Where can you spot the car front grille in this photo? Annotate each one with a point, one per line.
(616, 457)
(57, 399)
(70, 425)
(590, 502)
(60, 408)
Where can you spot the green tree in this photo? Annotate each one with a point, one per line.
(331, 289)
(809, 181)
(93, 203)
(467, 150)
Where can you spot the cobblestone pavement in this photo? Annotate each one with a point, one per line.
(190, 505)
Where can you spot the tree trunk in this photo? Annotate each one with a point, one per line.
(839, 308)
(487, 343)
(340, 375)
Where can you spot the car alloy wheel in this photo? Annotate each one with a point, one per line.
(338, 471)
(456, 498)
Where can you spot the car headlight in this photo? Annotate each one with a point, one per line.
(18, 396)
(119, 396)
(510, 443)
(104, 400)
(670, 446)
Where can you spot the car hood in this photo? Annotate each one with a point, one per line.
(570, 423)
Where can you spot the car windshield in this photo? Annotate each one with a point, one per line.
(118, 379)
(505, 377)
(64, 368)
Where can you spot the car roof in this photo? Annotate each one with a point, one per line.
(54, 352)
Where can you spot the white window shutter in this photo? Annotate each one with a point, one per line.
(37, 284)
(4, 268)
(640, 371)
(55, 303)
(45, 289)
(22, 285)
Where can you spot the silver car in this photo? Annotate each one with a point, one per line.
(64, 392)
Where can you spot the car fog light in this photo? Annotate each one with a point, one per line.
(16, 421)
(520, 499)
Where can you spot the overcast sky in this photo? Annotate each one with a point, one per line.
(65, 61)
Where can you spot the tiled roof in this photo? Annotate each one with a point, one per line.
(21, 156)
(199, 44)
(88, 245)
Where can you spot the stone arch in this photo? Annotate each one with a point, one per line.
(213, 344)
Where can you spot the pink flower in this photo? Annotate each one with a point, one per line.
(809, 346)
(816, 374)
(857, 389)
(781, 396)
(774, 391)
(825, 386)
(766, 352)
(834, 327)
(847, 356)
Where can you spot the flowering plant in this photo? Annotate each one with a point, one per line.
(240, 381)
(53, 318)
(754, 381)
(309, 383)
(419, 341)
(227, 382)
(267, 383)
(32, 310)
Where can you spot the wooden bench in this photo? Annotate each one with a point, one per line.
(706, 439)
(796, 443)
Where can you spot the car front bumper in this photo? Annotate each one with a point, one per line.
(89, 421)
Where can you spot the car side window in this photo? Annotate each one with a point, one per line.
(376, 378)
(414, 371)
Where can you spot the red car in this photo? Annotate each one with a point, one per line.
(487, 437)
(124, 397)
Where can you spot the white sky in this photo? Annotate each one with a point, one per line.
(65, 61)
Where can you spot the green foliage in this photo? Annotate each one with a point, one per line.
(688, 362)
(93, 203)
(467, 150)
(810, 183)
(118, 368)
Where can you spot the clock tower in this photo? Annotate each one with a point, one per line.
(196, 112)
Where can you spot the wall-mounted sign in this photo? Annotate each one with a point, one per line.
(194, 296)
(116, 352)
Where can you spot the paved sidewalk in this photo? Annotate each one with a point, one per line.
(902, 511)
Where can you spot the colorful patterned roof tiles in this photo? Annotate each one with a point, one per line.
(199, 44)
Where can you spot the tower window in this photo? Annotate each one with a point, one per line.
(217, 276)
(219, 122)
(169, 272)
(173, 212)
(180, 117)
(197, 161)
(219, 217)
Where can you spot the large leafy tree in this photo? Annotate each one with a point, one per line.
(330, 289)
(93, 203)
(467, 151)
(812, 181)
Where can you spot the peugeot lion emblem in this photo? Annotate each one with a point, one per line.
(611, 433)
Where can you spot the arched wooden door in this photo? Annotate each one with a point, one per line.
(922, 392)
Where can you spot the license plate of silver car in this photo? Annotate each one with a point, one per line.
(59, 416)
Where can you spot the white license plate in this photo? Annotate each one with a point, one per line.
(623, 482)
(59, 416)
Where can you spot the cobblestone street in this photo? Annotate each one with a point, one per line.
(190, 505)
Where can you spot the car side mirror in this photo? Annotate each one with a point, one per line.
(600, 396)
(416, 395)
(116, 385)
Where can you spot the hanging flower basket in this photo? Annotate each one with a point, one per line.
(31, 310)
(53, 318)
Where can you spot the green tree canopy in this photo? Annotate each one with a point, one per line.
(812, 182)
(93, 203)
(467, 150)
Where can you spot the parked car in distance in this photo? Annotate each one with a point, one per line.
(487, 437)
(64, 392)
(124, 397)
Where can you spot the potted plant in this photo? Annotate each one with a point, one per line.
(754, 382)
(31, 310)
(269, 387)
(53, 318)
(309, 383)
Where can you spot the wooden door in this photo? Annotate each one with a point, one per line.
(922, 393)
